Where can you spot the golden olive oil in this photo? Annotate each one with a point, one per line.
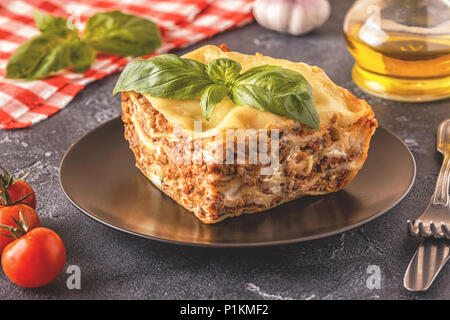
(405, 66)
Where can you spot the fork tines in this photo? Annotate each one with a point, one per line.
(428, 229)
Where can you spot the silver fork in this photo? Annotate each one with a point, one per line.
(433, 225)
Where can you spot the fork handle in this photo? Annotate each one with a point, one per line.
(440, 196)
(424, 267)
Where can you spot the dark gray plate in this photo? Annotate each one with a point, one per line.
(98, 175)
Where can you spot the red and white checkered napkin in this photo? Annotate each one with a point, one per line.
(182, 22)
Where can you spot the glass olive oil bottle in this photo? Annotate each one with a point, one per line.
(401, 48)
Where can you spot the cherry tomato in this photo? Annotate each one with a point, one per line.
(35, 259)
(16, 189)
(7, 213)
(20, 189)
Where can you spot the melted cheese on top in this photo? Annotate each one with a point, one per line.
(330, 99)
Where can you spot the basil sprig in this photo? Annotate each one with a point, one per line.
(268, 88)
(122, 34)
(59, 45)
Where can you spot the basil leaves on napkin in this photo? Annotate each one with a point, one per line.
(268, 88)
(59, 45)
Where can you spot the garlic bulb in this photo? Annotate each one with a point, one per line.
(291, 16)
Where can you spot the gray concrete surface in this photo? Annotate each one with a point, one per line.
(115, 265)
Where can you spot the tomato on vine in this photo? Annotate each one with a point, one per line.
(14, 204)
(9, 215)
(31, 256)
(18, 190)
(35, 258)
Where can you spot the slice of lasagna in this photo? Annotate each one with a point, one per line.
(233, 163)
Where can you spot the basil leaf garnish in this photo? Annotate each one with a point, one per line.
(286, 93)
(38, 57)
(268, 88)
(224, 70)
(211, 96)
(81, 54)
(300, 107)
(274, 79)
(123, 34)
(49, 24)
(252, 95)
(165, 76)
